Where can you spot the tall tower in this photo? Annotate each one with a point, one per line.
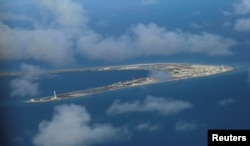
(54, 97)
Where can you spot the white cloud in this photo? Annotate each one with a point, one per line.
(31, 72)
(67, 14)
(71, 125)
(185, 126)
(149, 2)
(242, 7)
(226, 101)
(61, 32)
(156, 40)
(147, 127)
(51, 39)
(151, 40)
(160, 105)
(242, 24)
(22, 87)
(48, 45)
(239, 8)
(25, 84)
(95, 46)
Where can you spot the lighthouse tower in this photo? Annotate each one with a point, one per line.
(54, 96)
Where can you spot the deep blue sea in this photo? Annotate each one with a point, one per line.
(19, 121)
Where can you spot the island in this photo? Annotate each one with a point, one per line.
(176, 71)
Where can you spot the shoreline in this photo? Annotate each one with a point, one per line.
(104, 68)
(176, 71)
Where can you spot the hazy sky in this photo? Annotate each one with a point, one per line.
(60, 31)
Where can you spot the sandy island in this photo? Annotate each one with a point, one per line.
(175, 70)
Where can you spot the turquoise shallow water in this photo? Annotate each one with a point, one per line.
(20, 121)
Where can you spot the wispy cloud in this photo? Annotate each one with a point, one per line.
(185, 126)
(196, 12)
(147, 127)
(227, 101)
(25, 84)
(242, 24)
(71, 125)
(195, 25)
(10, 16)
(241, 8)
(160, 105)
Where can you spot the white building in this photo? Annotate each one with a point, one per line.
(54, 96)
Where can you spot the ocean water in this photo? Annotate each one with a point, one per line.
(19, 121)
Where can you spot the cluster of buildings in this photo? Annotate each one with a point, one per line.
(189, 71)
